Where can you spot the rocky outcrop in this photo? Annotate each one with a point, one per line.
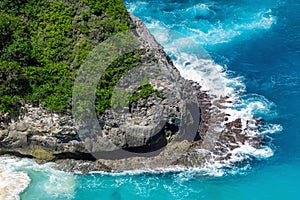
(40, 134)
(157, 132)
(148, 125)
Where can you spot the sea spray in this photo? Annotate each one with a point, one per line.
(232, 110)
(185, 40)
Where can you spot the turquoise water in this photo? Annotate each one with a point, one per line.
(257, 46)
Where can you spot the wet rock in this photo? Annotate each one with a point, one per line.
(80, 166)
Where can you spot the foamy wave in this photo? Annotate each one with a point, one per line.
(261, 20)
(228, 97)
(216, 167)
(180, 170)
(200, 9)
(248, 150)
(12, 183)
(212, 77)
(14, 178)
(131, 7)
(204, 33)
(183, 41)
(222, 33)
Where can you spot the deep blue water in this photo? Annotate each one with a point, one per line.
(258, 41)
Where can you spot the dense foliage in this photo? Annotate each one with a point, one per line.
(43, 43)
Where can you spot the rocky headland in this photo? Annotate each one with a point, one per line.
(184, 127)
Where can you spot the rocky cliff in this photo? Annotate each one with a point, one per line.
(178, 125)
(47, 135)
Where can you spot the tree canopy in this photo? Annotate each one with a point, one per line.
(43, 43)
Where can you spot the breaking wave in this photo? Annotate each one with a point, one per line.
(185, 30)
(45, 181)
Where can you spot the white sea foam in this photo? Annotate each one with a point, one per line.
(214, 79)
(12, 183)
(200, 9)
(173, 169)
(211, 76)
(217, 81)
(194, 63)
(208, 34)
(131, 7)
(14, 178)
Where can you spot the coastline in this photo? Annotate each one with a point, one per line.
(243, 55)
(221, 141)
(218, 138)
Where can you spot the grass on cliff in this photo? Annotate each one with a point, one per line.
(43, 43)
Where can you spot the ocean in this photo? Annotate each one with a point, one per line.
(246, 50)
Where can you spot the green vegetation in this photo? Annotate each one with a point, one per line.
(43, 44)
(143, 91)
(111, 77)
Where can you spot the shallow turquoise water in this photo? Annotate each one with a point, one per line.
(257, 41)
